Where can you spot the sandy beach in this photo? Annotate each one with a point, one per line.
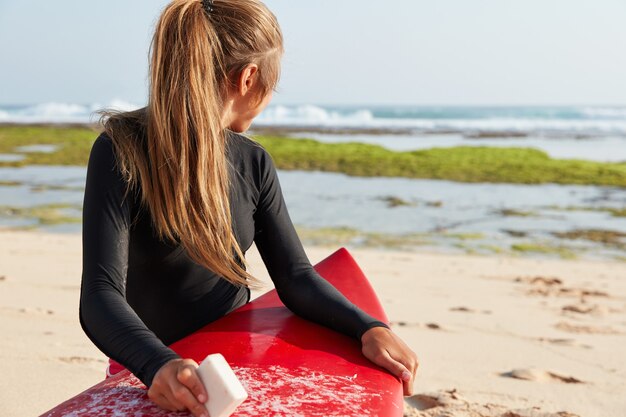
(496, 336)
(471, 159)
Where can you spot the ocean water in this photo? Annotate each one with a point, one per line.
(551, 121)
(536, 121)
(601, 149)
(442, 211)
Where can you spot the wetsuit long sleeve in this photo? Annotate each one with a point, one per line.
(299, 286)
(105, 315)
(140, 294)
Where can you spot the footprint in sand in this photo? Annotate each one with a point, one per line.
(463, 309)
(80, 359)
(593, 310)
(450, 403)
(538, 280)
(443, 399)
(432, 326)
(553, 287)
(421, 402)
(584, 329)
(562, 342)
(539, 375)
(468, 310)
(36, 310)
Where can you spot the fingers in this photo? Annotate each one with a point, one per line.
(183, 396)
(177, 387)
(189, 377)
(194, 394)
(415, 363)
(398, 369)
(169, 405)
(162, 401)
(387, 350)
(393, 366)
(411, 364)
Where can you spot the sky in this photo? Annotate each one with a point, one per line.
(412, 52)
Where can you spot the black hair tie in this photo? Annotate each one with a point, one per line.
(208, 5)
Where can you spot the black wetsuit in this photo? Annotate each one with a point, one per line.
(139, 294)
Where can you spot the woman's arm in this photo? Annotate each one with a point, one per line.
(298, 285)
(105, 316)
(309, 295)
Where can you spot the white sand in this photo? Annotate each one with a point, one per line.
(487, 344)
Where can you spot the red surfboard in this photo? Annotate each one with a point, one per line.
(288, 365)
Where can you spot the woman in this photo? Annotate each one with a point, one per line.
(175, 196)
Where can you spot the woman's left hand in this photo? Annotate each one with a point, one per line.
(385, 349)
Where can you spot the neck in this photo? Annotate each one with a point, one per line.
(227, 114)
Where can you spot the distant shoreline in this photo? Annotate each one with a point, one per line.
(286, 130)
(279, 130)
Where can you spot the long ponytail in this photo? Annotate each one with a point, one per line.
(175, 148)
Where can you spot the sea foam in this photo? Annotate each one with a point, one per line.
(57, 112)
(569, 121)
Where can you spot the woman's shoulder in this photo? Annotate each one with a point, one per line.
(245, 143)
(102, 152)
(103, 141)
(252, 159)
(103, 166)
(249, 150)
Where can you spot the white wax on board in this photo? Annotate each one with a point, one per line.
(223, 388)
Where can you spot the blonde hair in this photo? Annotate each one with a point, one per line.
(175, 148)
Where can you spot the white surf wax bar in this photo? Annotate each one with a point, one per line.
(222, 386)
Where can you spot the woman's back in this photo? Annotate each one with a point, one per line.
(123, 256)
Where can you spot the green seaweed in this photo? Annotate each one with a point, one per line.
(492, 248)
(393, 201)
(469, 250)
(74, 144)
(515, 233)
(465, 236)
(327, 235)
(605, 237)
(507, 212)
(46, 215)
(461, 163)
(545, 249)
(615, 212)
(348, 236)
(388, 240)
(38, 188)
